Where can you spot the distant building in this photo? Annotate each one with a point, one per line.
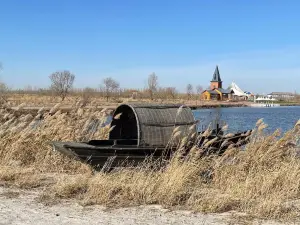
(216, 91)
(282, 95)
(239, 94)
(216, 82)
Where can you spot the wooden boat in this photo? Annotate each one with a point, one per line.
(107, 153)
(141, 131)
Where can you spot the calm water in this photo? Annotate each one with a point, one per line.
(240, 119)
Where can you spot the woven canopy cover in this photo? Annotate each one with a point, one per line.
(151, 125)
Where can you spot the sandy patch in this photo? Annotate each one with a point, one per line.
(22, 207)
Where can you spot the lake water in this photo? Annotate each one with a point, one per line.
(240, 119)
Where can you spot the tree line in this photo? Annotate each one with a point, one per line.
(62, 85)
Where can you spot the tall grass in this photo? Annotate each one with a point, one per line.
(262, 179)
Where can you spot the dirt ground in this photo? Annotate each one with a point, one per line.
(23, 207)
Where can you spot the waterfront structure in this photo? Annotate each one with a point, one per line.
(216, 91)
(265, 101)
(282, 95)
(239, 94)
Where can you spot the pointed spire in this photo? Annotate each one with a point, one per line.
(216, 76)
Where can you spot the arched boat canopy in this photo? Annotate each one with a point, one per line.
(151, 125)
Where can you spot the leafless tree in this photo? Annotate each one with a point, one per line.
(152, 84)
(28, 88)
(3, 93)
(189, 91)
(199, 89)
(86, 95)
(110, 86)
(171, 92)
(62, 82)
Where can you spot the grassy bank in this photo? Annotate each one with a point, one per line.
(263, 180)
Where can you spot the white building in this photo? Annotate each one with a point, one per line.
(282, 95)
(238, 92)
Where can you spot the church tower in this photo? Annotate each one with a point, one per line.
(216, 82)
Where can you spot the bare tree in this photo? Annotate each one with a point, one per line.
(199, 89)
(3, 93)
(28, 88)
(110, 86)
(152, 85)
(171, 92)
(3, 90)
(62, 82)
(189, 91)
(87, 95)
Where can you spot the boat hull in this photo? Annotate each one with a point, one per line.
(112, 156)
(123, 153)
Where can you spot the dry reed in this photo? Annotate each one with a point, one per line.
(263, 179)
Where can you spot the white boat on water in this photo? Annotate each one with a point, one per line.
(265, 102)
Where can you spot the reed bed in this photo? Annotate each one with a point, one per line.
(261, 179)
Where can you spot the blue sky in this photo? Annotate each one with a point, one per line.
(255, 43)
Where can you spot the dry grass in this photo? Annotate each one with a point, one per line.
(10, 194)
(75, 99)
(263, 180)
(25, 178)
(71, 186)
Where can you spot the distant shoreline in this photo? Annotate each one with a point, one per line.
(221, 105)
(234, 105)
(202, 105)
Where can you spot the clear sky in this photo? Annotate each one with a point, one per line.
(255, 43)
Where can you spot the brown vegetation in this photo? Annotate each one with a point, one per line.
(262, 180)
